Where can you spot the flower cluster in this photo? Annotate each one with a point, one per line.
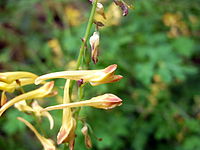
(12, 81)
(28, 101)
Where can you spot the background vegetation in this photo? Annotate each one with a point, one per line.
(156, 48)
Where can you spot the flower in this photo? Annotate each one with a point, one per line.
(9, 77)
(48, 144)
(38, 93)
(35, 109)
(67, 130)
(3, 98)
(94, 43)
(94, 77)
(10, 87)
(106, 101)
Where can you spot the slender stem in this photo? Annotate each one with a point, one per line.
(85, 39)
(87, 32)
(80, 96)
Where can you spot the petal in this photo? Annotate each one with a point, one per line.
(9, 77)
(38, 93)
(48, 144)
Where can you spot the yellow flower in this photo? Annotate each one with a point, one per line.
(106, 101)
(23, 107)
(94, 77)
(48, 144)
(10, 87)
(67, 130)
(35, 109)
(9, 77)
(3, 98)
(38, 93)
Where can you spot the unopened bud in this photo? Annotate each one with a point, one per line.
(88, 141)
(94, 43)
(100, 10)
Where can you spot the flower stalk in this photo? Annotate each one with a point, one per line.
(86, 37)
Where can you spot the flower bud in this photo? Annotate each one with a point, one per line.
(88, 141)
(94, 43)
(100, 10)
(106, 101)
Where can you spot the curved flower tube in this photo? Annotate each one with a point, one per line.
(94, 77)
(106, 101)
(38, 93)
(48, 144)
(67, 130)
(9, 77)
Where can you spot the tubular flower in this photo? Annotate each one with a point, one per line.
(23, 107)
(94, 43)
(106, 101)
(48, 144)
(67, 130)
(94, 77)
(9, 77)
(10, 87)
(35, 109)
(38, 93)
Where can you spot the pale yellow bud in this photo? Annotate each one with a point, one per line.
(106, 101)
(94, 43)
(100, 10)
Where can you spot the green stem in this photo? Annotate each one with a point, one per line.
(85, 39)
(87, 32)
(80, 96)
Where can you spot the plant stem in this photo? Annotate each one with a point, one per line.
(82, 51)
(87, 32)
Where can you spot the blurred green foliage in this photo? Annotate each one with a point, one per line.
(159, 62)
